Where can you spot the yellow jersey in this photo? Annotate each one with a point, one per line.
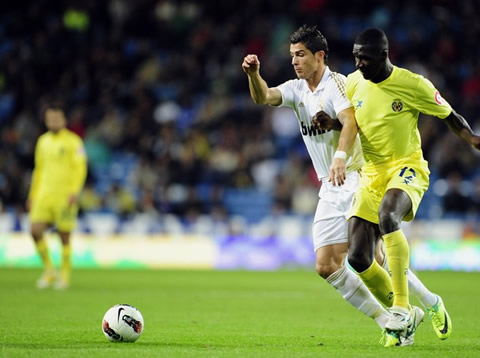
(60, 165)
(387, 113)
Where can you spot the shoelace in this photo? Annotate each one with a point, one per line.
(432, 312)
(437, 320)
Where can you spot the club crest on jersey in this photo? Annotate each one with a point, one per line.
(320, 105)
(397, 105)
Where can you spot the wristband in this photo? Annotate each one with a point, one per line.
(340, 154)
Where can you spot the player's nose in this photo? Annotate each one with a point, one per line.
(358, 63)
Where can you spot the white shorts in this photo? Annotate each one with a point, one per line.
(330, 222)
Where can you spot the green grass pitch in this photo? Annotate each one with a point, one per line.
(218, 314)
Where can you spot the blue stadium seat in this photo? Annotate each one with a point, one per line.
(251, 204)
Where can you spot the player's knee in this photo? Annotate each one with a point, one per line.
(64, 237)
(325, 270)
(359, 260)
(388, 221)
(37, 236)
(37, 232)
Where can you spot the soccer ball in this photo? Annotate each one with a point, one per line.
(123, 323)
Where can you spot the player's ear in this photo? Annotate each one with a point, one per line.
(384, 54)
(320, 56)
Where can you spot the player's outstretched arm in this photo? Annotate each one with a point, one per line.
(338, 169)
(460, 127)
(259, 90)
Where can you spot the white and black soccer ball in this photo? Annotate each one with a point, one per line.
(123, 323)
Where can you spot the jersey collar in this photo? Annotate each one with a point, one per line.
(60, 132)
(323, 81)
(386, 80)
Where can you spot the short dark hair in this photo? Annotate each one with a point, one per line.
(55, 103)
(373, 37)
(312, 38)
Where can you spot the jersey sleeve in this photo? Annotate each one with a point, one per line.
(288, 93)
(429, 101)
(338, 93)
(349, 88)
(79, 166)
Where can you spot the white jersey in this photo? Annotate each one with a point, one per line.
(330, 97)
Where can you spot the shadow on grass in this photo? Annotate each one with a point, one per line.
(140, 345)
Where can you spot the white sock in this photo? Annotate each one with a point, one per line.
(357, 294)
(417, 288)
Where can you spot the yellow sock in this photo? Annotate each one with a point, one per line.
(66, 262)
(378, 282)
(42, 250)
(396, 247)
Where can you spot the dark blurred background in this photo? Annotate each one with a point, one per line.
(156, 90)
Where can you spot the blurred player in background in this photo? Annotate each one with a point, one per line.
(321, 93)
(388, 101)
(58, 177)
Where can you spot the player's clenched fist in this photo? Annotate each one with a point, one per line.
(250, 64)
(475, 141)
(321, 120)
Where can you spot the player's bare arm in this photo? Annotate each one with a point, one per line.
(259, 90)
(72, 200)
(323, 121)
(460, 127)
(338, 169)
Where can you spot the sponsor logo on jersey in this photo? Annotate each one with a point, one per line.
(310, 131)
(397, 105)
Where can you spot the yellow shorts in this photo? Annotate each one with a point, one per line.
(55, 212)
(409, 175)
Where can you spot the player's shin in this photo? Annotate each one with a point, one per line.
(354, 292)
(377, 280)
(42, 249)
(417, 288)
(397, 253)
(48, 275)
(66, 262)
